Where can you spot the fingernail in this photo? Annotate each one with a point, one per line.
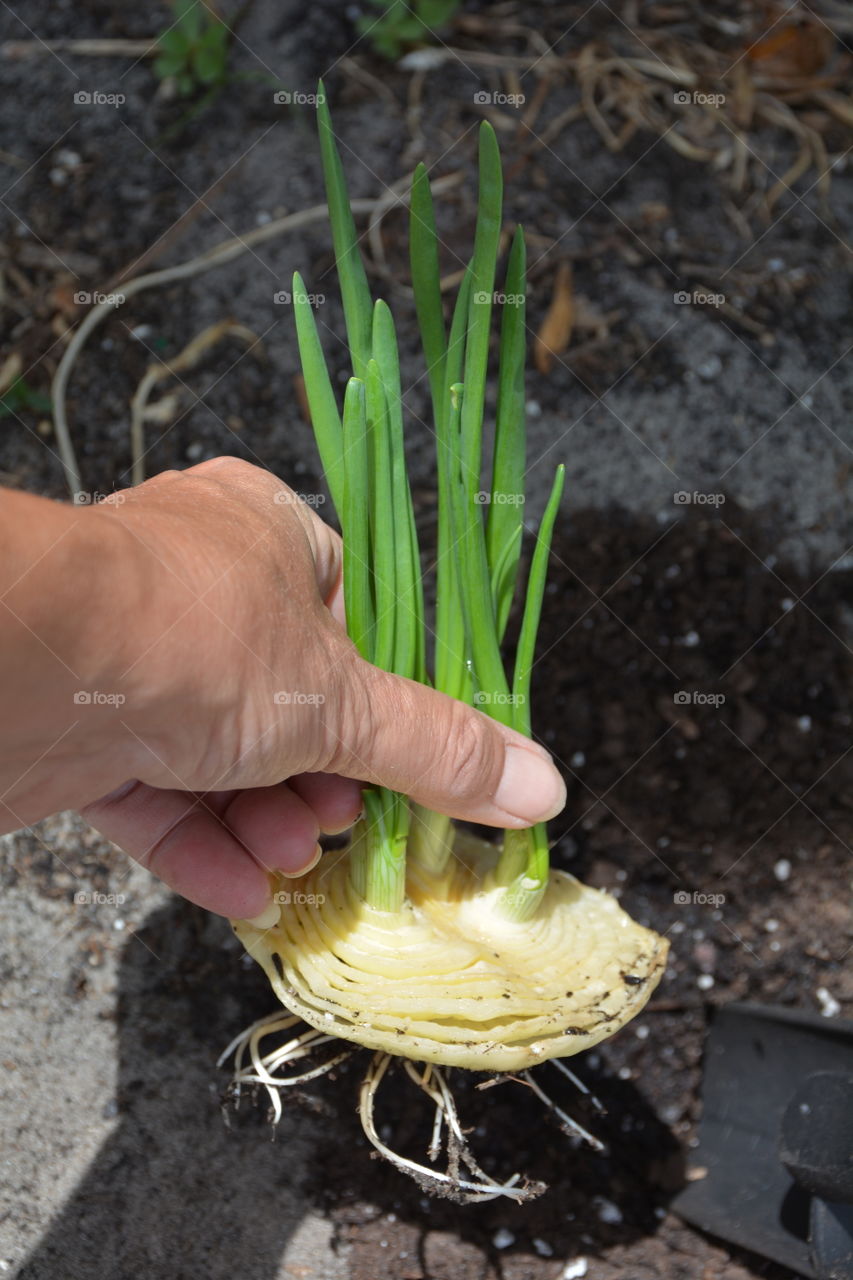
(336, 831)
(309, 866)
(267, 919)
(530, 788)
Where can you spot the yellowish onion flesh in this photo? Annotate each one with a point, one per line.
(448, 979)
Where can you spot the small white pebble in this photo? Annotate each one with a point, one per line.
(771, 925)
(262, 218)
(578, 760)
(804, 724)
(624, 1073)
(118, 925)
(829, 1006)
(642, 1032)
(141, 331)
(691, 640)
(607, 1210)
(775, 945)
(787, 604)
(543, 1248)
(705, 981)
(782, 870)
(574, 1270)
(710, 368)
(418, 59)
(534, 408)
(502, 1238)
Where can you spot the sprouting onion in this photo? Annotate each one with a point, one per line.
(423, 941)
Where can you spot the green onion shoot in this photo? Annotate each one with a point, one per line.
(423, 942)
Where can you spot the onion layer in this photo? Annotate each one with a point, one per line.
(447, 979)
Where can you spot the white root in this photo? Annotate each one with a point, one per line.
(253, 1066)
(261, 1066)
(448, 1184)
(567, 1124)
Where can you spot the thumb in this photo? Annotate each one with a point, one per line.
(440, 752)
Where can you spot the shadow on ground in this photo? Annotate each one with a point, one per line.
(174, 1192)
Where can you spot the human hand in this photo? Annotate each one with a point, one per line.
(250, 720)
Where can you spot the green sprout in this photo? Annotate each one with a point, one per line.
(402, 25)
(363, 457)
(20, 397)
(194, 49)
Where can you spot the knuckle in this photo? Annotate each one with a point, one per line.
(349, 717)
(472, 753)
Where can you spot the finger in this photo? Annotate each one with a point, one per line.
(178, 838)
(336, 801)
(277, 827)
(440, 752)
